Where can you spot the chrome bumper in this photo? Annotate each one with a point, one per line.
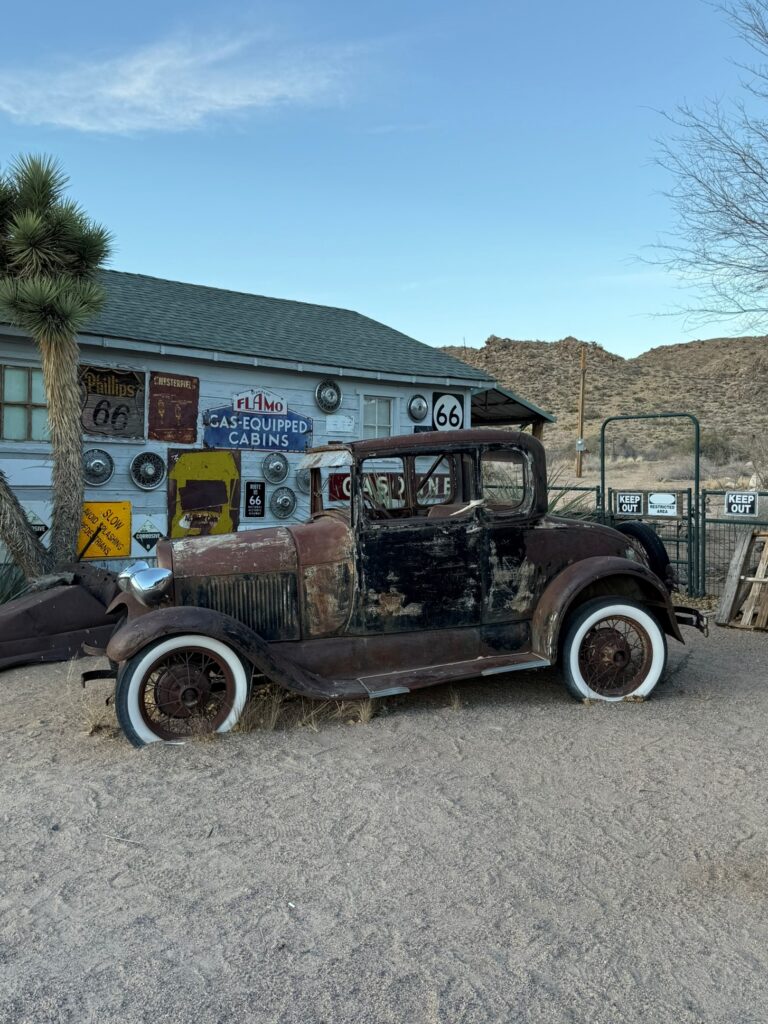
(692, 617)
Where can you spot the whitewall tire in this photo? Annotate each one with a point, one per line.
(613, 650)
(179, 687)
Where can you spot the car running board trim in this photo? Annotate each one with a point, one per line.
(537, 663)
(445, 673)
(393, 691)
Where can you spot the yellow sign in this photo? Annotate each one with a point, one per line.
(105, 531)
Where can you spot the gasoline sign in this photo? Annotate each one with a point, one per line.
(629, 503)
(662, 504)
(105, 531)
(254, 499)
(741, 503)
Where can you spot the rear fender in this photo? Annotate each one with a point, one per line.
(602, 576)
(139, 633)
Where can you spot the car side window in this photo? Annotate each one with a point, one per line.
(504, 479)
(384, 491)
(435, 480)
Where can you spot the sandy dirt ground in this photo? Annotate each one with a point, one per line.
(516, 858)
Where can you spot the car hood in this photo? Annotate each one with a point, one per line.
(271, 549)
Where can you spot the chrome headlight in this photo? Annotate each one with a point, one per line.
(147, 585)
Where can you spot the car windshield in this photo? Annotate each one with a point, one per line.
(406, 486)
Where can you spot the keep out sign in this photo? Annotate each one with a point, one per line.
(629, 503)
(741, 503)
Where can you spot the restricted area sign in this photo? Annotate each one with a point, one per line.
(662, 504)
(629, 503)
(105, 531)
(741, 503)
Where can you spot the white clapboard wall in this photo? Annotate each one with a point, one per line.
(27, 464)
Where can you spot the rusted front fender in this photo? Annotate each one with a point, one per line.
(139, 633)
(601, 576)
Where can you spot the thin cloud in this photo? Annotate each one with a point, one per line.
(171, 86)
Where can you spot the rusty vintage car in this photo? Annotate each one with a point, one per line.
(426, 558)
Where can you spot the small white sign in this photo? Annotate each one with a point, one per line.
(339, 425)
(741, 503)
(629, 503)
(662, 503)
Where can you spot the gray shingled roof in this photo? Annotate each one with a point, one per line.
(142, 308)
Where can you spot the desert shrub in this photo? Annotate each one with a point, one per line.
(677, 471)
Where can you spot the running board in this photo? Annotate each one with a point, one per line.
(389, 684)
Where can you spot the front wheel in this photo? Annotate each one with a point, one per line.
(180, 687)
(613, 649)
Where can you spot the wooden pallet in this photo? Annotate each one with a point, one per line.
(745, 599)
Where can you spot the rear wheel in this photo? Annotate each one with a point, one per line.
(613, 649)
(180, 687)
(653, 547)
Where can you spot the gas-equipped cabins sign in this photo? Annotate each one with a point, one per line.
(257, 420)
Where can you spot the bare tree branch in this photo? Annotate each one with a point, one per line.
(717, 158)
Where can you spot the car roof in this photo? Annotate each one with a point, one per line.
(431, 439)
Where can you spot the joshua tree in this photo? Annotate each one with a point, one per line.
(50, 252)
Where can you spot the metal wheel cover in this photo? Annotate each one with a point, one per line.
(615, 656)
(185, 693)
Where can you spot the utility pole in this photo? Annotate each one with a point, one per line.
(580, 446)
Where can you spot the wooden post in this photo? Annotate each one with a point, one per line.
(583, 369)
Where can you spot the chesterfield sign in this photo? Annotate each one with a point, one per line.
(228, 427)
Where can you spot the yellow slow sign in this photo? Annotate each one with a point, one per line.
(105, 531)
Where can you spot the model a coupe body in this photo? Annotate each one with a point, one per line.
(426, 558)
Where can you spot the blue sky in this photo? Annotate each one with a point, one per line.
(451, 169)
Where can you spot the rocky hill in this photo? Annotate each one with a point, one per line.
(723, 381)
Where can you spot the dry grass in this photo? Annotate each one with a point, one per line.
(454, 699)
(271, 708)
(93, 703)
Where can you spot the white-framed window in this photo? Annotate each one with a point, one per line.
(377, 416)
(23, 408)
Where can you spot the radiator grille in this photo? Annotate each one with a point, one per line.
(266, 602)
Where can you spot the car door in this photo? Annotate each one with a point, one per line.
(511, 579)
(419, 542)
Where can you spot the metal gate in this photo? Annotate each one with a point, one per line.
(720, 531)
(674, 514)
(677, 529)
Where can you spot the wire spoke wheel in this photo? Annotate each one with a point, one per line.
(180, 687)
(613, 649)
(186, 693)
(615, 656)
